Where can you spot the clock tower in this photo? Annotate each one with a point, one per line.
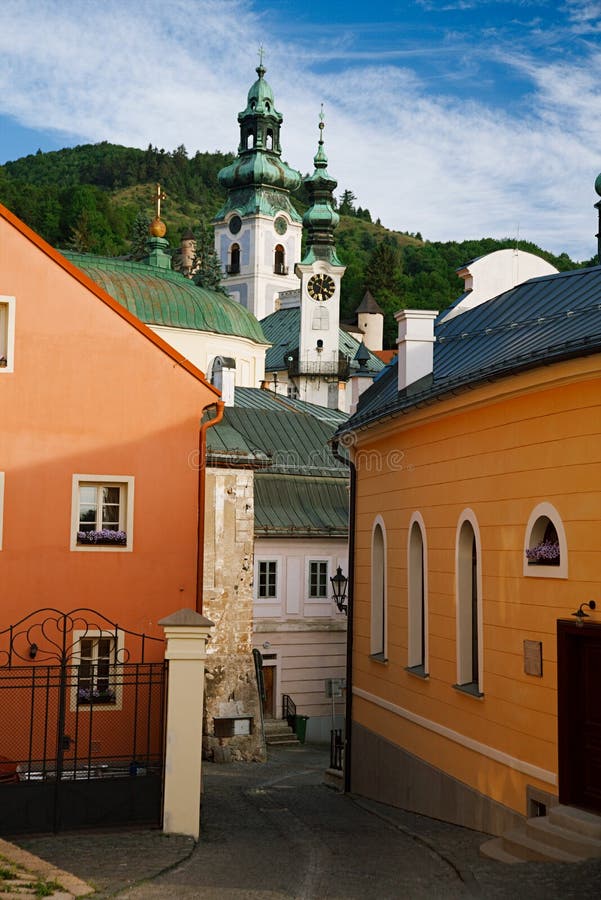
(320, 368)
(258, 231)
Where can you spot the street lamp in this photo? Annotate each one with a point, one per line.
(339, 584)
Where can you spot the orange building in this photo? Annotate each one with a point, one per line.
(100, 432)
(478, 536)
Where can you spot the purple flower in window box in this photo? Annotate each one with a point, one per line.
(102, 537)
(93, 695)
(545, 553)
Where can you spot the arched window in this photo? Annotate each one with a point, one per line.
(545, 544)
(269, 140)
(279, 264)
(234, 265)
(378, 591)
(469, 605)
(250, 140)
(417, 605)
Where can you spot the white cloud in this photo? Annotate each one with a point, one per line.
(178, 71)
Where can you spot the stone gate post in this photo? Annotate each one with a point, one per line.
(187, 633)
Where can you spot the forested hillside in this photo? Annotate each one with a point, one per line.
(88, 197)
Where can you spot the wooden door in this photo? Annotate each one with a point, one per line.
(269, 685)
(579, 713)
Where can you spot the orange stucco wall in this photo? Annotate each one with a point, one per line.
(91, 394)
(499, 450)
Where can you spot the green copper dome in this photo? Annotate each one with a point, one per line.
(163, 297)
(321, 218)
(258, 181)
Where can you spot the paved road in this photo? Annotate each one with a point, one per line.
(275, 832)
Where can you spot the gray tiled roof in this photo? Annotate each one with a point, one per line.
(541, 321)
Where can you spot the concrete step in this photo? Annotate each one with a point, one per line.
(564, 838)
(494, 849)
(576, 820)
(519, 843)
(278, 731)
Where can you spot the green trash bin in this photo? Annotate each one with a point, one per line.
(300, 727)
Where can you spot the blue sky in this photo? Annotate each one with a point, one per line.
(458, 119)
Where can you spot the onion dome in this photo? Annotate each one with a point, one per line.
(321, 218)
(258, 165)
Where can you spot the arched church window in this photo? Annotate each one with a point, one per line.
(250, 140)
(269, 140)
(234, 264)
(279, 266)
(267, 105)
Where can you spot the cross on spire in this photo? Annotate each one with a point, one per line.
(261, 54)
(158, 196)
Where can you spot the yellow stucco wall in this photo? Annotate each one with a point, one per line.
(499, 450)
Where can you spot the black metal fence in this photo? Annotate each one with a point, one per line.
(336, 749)
(81, 724)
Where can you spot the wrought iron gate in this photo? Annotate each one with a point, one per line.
(81, 723)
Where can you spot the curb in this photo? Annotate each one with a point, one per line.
(73, 885)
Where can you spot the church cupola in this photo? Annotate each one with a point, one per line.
(321, 218)
(258, 231)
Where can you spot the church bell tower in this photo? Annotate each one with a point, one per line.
(320, 366)
(258, 231)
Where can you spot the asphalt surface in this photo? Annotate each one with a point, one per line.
(274, 831)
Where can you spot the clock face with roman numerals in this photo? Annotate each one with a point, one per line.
(321, 287)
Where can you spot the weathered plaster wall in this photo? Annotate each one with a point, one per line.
(231, 687)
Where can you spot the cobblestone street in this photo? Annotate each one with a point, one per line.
(276, 831)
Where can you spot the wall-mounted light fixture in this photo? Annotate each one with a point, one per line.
(339, 584)
(580, 613)
(33, 651)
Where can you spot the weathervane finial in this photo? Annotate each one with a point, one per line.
(321, 124)
(261, 55)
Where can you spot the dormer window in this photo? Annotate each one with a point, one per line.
(279, 264)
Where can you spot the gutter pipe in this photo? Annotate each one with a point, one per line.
(219, 406)
(348, 716)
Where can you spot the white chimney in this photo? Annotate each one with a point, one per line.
(224, 378)
(416, 344)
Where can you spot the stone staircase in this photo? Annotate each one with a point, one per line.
(279, 733)
(565, 834)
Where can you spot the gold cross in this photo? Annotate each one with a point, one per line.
(159, 195)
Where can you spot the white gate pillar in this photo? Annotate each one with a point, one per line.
(187, 633)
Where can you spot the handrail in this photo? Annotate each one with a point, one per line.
(288, 709)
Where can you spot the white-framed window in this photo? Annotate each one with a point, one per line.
(102, 512)
(468, 592)
(96, 682)
(545, 544)
(417, 597)
(378, 591)
(318, 579)
(7, 334)
(267, 579)
(1, 505)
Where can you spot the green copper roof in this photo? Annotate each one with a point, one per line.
(260, 99)
(282, 329)
(257, 398)
(288, 505)
(163, 297)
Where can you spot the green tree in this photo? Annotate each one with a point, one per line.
(139, 235)
(207, 268)
(346, 207)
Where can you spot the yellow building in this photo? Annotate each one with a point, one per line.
(477, 537)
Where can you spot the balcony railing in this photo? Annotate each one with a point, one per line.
(329, 368)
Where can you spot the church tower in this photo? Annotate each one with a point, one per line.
(258, 231)
(321, 368)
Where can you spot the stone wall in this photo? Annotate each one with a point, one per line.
(231, 687)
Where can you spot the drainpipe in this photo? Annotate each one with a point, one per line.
(219, 406)
(348, 716)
